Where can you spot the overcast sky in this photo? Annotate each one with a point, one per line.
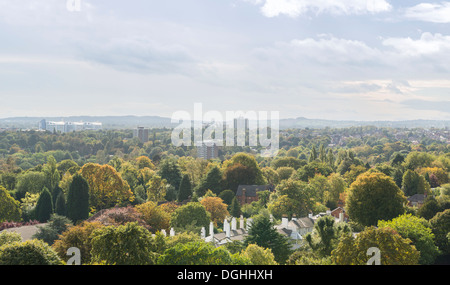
(327, 59)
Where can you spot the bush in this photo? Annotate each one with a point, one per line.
(77, 236)
(129, 244)
(50, 232)
(31, 252)
(9, 237)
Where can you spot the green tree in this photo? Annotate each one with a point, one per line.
(325, 235)
(9, 207)
(197, 253)
(185, 189)
(60, 204)
(235, 208)
(193, 214)
(413, 183)
(311, 169)
(373, 197)
(263, 234)
(44, 206)
(211, 181)
(418, 230)
(78, 199)
(170, 171)
(128, 244)
(440, 225)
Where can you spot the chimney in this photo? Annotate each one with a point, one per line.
(211, 229)
(241, 222)
(233, 224)
(172, 232)
(328, 212)
(227, 229)
(203, 233)
(249, 224)
(310, 215)
(284, 222)
(341, 217)
(163, 231)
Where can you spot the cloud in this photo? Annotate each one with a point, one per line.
(428, 44)
(429, 12)
(295, 8)
(137, 54)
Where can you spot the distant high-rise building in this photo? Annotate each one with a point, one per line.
(65, 127)
(208, 150)
(141, 133)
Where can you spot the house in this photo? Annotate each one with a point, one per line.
(416, 200)
(230, 232)
(246, 194)
(296, 228)
(339, 214)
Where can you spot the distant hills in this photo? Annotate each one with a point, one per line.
(127, 122)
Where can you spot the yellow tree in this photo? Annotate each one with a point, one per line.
(216, 207)
(156, 188)
(154, 216)
(106, 186)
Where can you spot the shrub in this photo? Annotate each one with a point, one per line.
(31, 252)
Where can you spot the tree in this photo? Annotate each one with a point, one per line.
(193, 214)
(9, 207)
(79, 236)
(293, 197)
(216, 208)
(78, 199)
(235, 208)
(440, 225)
(31, 181)
(144, 161)
(258, 255)
(429, 208)
(170, 171)
(185, 189)
(56, 225)
(154, 216)
(156, 188)
(373, 197)
(313, 168)
(128, 244)
(44, 206)
(239, 174)
(60, 204)
(418, 230)
(394, 250)
(30, 252)
(263, 234)
(51, 173)
(196, 253)
(325, 235)
(211, 181)
(106, 187)
(413, 183)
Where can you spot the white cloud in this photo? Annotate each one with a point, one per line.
(294, 8)
(428, 12)
(428, 44)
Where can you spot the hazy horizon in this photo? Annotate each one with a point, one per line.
(373, 60)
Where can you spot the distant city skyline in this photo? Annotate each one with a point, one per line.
(334, 60)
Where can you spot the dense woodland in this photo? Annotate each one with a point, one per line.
(95, 188)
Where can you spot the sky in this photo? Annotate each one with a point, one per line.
(320, 59)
